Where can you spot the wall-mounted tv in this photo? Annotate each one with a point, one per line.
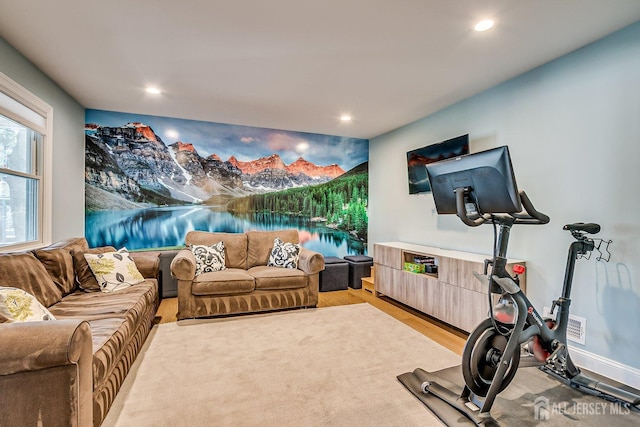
(418, 159)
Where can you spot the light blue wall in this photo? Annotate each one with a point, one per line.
(68, 140)
(573, 128)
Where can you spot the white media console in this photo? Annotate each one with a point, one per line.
(449, 293)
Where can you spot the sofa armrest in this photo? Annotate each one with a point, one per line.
(30, 346)
(183, 266)
(148, 264)
(46, 371)
(310, 262)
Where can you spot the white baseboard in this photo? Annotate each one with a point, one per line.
(607, 367)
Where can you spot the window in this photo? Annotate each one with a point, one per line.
(25, 168)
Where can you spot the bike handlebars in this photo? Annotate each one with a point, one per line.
(529, 216)
(534, 217)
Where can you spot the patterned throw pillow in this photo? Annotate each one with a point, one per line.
(85, 278)
(284, 254)
(114, 271)
(209, 258)
(17, 305)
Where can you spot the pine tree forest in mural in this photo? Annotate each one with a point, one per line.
(149, 180)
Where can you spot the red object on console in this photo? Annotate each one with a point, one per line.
(518, 269)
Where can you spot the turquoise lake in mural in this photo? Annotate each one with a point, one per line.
(162, 227)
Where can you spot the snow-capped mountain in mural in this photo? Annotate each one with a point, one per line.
(271, 174)
(131, 165)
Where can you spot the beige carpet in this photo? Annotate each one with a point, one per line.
(334, 366)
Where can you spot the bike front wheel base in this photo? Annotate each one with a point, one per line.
(481, 358)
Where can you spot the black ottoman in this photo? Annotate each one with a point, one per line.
(335, 276)
(359, 267)
(169, 284)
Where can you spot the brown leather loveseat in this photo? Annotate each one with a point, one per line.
(248, 283)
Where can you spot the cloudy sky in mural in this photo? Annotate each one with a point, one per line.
(245, 142)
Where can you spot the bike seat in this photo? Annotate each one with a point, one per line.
(590, 227)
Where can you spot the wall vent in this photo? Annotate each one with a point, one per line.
(576, 329)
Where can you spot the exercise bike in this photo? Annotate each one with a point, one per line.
(492, 352)
(491, 355)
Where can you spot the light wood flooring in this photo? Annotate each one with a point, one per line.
(441, 333)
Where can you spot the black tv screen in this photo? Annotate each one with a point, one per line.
(418, 159)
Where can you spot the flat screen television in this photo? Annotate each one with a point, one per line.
(418, 159)
(487, 177)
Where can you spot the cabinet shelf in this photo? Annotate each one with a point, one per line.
(420, 263)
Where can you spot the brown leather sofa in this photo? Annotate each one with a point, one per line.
(247, 284)
(67, 372)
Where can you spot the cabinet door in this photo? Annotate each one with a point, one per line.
(462, 308)
(466, 279)
(388, 255)
(421, 291)
(448, 307)
(447, 270)
(474, 308)
(388, 281)
(416, 290)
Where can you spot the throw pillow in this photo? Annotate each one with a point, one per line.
(24, 271)
(17, 305)
(84, 276)
(59, 264)
(114, 271)
(284, 254)
(209, 258)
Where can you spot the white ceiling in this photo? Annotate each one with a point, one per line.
(297, 64)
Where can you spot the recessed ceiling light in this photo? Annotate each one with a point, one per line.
(345, 118)
(484, 25)
(153, 90)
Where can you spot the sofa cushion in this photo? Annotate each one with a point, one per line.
(84, 276)
(224, 282)
(114, 271)
(208, 258)
(284, 254)
(24, 271)
(260, 244)
(272, 278)
(59, 264)
(71, 244)
(235, 245)
(17, 305)
(148, 263)
(100, 305)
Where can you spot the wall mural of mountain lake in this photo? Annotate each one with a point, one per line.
(149, 180)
